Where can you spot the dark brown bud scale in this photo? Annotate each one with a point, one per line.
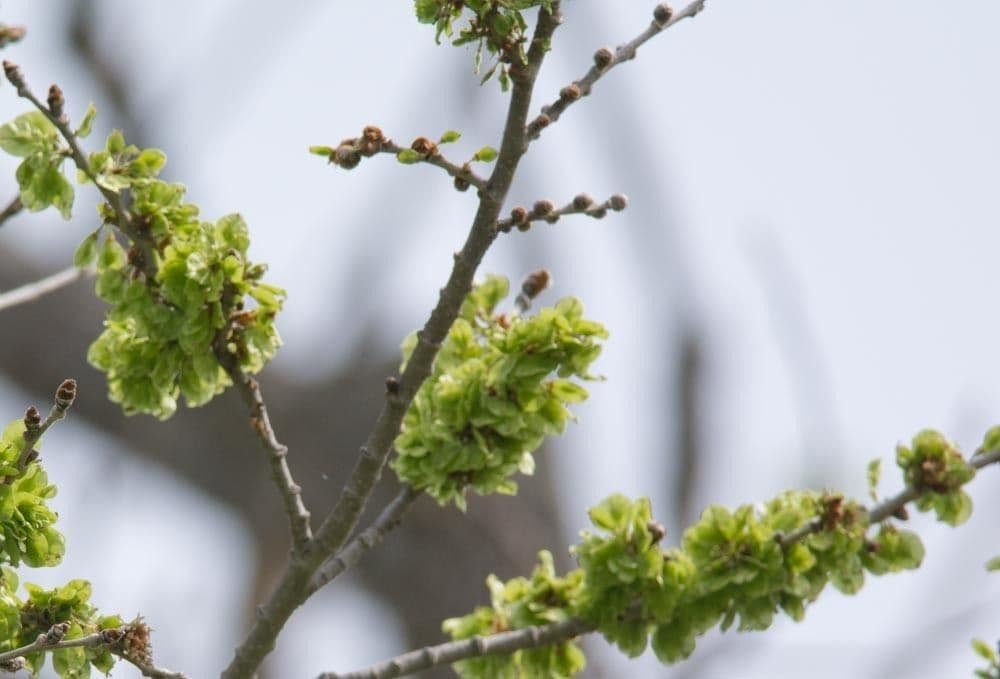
(535, 282)
(424, 146)
(618, 202)
(603, 57)
(461, 184)
(372, 133)
(582, 201)
(519, 215)
(392, 385)
(66, 394)
(570, 92)
(13, 73)
(662, 13)
(346, 156)
(56, 101)
(32, 419)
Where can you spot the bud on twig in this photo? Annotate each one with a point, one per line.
(56, 102)
(32, 419)
(13, 73)
(618, 202)
(570, 93)
(662, 14)
(603, 57)
(534, 283)
(9, 34)
(66, 394)
(582, 201)
(392, 385)
(424, 146)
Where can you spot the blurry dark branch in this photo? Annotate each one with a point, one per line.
(503, 643)
(521, 218)
(802, 353)
(83, 33)
(605, 60)
(29, 292)
(351, 554)
(688, 397)
(13, 207)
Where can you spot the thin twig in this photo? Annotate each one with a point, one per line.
(474, 647)
(13, 207)
(521, 218)
(43, 644)
(293, 588)
(462, 172)
(604, 61)
(533, 637)
(153, 671)
(29, 292)
(291, 493)
(367, 540)
(35, 427)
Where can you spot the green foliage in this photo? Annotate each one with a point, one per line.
(991, 655)
(497, 27)
(33, 137)
(935, 467)
(491, 398)
(516, 604)
(26, 521)
(487, 154)
(162, 333)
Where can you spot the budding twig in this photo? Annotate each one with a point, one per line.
(351, 554)
(604, 61)
(521, 218)
(461, 173)
(29, 292)
(474, 647)
(35, 427)
(13, 207)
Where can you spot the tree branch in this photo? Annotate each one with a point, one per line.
(293, 588)
(474, 647)
(521, 218)
(604, 61)
(35, 427)
(460, 172)
(13, 207)
(350, 555)
(29, 292)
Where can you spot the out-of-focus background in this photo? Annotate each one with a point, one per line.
(805, 277)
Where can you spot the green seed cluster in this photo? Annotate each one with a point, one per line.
(497, 27)
(27, 533)
(499, 386)
(165, 331)
(934, 466)
(523, 602)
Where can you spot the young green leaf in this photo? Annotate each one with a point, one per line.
(83, 131)
(409, 157)
(993, 564)
(874, 474)
(86, 252)
(487, 154)
(450, 136)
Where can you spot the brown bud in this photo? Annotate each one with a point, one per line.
(113, 635)
(662, 13)
(461, 184)
(582, 201)
(519, 215)
(618, 202)
(542, 121)
(56, 633)
(368, 148)
(32, 419)
(56, 101)
(535, 282)
(66, 394)
(542, 208)
(598, 212)
(524, 226)
(392, 385)
(372, 133)
(603, 57)
(656, 530)
(424, 146)
(570, 93)
(13, 73)
(9, 34)
(901, 513)
(346, 156)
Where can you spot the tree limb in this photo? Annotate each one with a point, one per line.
(29, 292)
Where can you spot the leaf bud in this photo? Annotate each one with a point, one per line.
(582, 201)
(372, 133)
(603, 57)
(66, 394)
(534, 283)
(542, 121)
(598, 212)
(618, 202)
(424, 146)
(9, 34)
(542, 208)
(57, 102)
(656, 531)
(392, 385)
(346, 156)
(519, 216)
(662, 14)
(901, 513)
(32, 419)
(570, 93)
(461, 184)
(13, 73)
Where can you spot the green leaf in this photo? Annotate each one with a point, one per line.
(873, 475)
(86, 252)
(993, 564)
(487, 154)
(450, 136)
(985, 651)
(29, 133)
(83, 131)
(409, 157)
(43, 184)
(115, 143)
